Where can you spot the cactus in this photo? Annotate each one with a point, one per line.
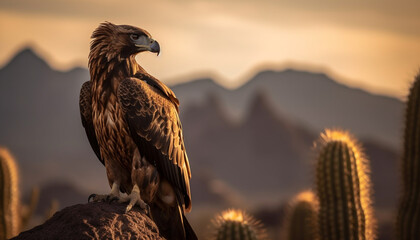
(408, 218)
(53, 208)
(9, 196)
(14, 216)
(343, 189)
(237, 225)
(28, 210)
(300, 222)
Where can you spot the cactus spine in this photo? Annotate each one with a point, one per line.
(237, 225)
(9, 199)
(301, 217)
(408, 218)
(343, 189)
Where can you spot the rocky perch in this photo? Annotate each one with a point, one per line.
(95, 221)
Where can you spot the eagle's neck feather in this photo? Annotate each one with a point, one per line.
(103, 70)
(107, 72)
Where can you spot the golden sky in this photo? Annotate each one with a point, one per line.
(374, 44)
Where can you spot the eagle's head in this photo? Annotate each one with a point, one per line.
(121, 41)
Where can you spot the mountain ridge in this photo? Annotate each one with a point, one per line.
(323, 102)
(326, 96)
(40, 123)
(28, 52)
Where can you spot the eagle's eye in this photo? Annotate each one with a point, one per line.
(134, 37)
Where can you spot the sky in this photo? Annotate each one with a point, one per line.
(372, 44)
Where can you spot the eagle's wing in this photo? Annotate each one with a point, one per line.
(156, 129)
(85, 105)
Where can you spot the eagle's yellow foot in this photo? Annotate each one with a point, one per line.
(134, 198)
(113, 196)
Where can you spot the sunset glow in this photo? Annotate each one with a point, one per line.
(373, 46)
(233, 215)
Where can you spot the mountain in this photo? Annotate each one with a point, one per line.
(254, 141)
(267, 156)
(40, 120)
(263, 146)
(311, 99)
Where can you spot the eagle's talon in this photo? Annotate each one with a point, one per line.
(134, 199)
(145, 206)
(93, 196)
(147, 210)
(129, 206)
(141, 204)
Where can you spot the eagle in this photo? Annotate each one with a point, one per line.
(132, 123)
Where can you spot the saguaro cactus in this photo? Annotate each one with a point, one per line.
(343, 189)
(301, 217)
(26, 211)
(237, 225)
(9, 196)
(408, 218)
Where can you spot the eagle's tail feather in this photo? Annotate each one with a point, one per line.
(189, 232)
(173, 224)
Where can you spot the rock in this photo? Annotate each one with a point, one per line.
(95, 221)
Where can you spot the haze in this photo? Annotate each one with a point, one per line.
(370, 44)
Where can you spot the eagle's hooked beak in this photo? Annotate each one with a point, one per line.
(147, 44)
(154, 47)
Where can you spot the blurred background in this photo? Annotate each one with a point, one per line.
(257, 82)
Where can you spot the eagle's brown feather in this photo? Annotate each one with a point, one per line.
(132, 123)
(154, 120)
(85, 105)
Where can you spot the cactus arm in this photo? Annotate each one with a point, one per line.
(343, 188)
(9, 196)
(408, 217)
